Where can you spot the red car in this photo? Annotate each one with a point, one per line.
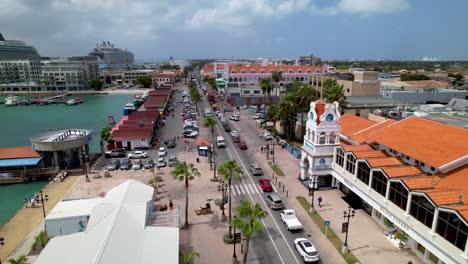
(242, 145)
(265, 184)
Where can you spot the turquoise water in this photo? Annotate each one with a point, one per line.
(19, 123)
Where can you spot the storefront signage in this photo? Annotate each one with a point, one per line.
(394, 219)
(309, 146)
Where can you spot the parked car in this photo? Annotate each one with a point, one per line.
(173, 160)
(234, 133)
(245, 106)
(265, 185)
(136, 165)
(193, 134)
(234, 117)
(242, 145)
(114, 165)
(149, 163)
(227, 128)
(274, 201)
(257, 116)
(115, 153)
(255, 169)
(125, 164)
(266, 135)
(171, 143)
(138, 154)
(307, 250)
(162, 152)
(161, 163)
(288, 216)
(227, 109)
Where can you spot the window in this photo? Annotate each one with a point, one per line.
(421, 248)
(252, 71)
(322, 138)
(450, 227)
(350, 164)
(379, 182)
(363, 172)
(422, 210)
(290, 71)
(246, 91)
(340, 157)
(398, 195)
(332, 138)
(256, 91)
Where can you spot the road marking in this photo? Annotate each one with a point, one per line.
(246, 189)
(237, 189)
(274, 188)
(252, 188)
(233, 190)
(257, 188)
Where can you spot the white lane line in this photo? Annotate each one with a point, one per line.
(237, 189)
(252, 189)
(233, 190)
(274, 188)
(257, 188)
(246, 189)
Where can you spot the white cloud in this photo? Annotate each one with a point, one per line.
(369, 7)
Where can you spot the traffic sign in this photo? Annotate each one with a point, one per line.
(344, 228)
(327, 223)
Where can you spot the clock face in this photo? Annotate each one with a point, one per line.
(311, 115)
(329, 117)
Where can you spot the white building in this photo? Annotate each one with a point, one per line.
(121, 229)
(413, 173)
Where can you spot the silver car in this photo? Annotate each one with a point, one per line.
(274, 201)
(114, 165)
(136, 165)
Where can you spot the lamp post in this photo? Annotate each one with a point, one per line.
(223, 189)
(268, 151)
(347, 215)
(42, 199)
(273, 151)
(2, 242)
(234, 256)
(312, 181)
(86, 164)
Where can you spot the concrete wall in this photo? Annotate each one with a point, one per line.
(364, 113)
(413, 97)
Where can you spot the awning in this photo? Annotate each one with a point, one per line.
(19, 162)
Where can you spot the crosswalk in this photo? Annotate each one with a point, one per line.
(247, 188)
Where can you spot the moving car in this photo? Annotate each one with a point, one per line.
(171, 143)
(137, 155)
(162, 152)
(288, 216)
(265, 185)
(115, 153)
(307, 250)
(125, 165)
(161, 163)
(227, 128)
(266, 135)
(149, 164)
(114, 165)
(274, 201)
(136, 165)
(242, 145)
(192, 134)
(234, 133)
(255, 169)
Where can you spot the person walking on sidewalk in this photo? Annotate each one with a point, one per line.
(320, 201)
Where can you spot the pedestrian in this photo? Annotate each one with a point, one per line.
(320, 201)
(261, 149)
(170, 204)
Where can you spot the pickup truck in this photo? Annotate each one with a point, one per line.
(288, 216)
(115, 153)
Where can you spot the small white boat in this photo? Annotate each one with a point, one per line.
(10, 101)
(71, 102)
(128, 109)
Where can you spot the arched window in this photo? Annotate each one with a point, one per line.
(290, 71)
(317, 71)
(312, 136)
(422, 210)
(332, 138)
(322, 138)
(398, 195)
(340, 157)
(379, 183)
(301, 79)
(271, 71)
(299, 71)
(262, 71)
(252, 71)
(230, 79)
(351, 164)
(235, 79)
(452, 228)
(233, 72)
(308, 71)
(297, 78)
(363, 172)
(242, 71)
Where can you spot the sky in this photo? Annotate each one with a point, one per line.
(187, 29)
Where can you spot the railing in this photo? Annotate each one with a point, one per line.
(29, 172)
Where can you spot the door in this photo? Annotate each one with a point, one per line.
(129, 145)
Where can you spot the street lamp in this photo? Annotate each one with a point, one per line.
(273, 151)
(345, 228)
(42, 199)
(313, 181)
(234, 256)
(223, 189)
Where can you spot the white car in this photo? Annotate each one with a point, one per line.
(234, 117)
(288, 216)
(234, 133)
(137, 155)
(162, 152)
(136, 165)
(307, 250)
(161, 163)
(257, 116)
(245, 106)
(266, 135)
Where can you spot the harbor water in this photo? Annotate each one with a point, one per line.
(19, 123)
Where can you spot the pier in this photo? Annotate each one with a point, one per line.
(56, 99)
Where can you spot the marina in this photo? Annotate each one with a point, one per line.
(56, 99)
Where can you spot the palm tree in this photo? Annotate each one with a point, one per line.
(211, 123)
(248, 221)
(105, 134)
(154, 182)
(196, 98)
(266, 86)
(188, 259)
(277, 77)
(229, 169)
(303, 98)
(41, 240)
(288, 110)
(19, 260)
(333, 91)
(185, 172)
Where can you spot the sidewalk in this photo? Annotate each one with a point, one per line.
(365, 239)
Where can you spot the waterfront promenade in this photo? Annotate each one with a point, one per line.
(19, 228)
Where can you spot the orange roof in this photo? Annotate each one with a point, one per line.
(355, 148)
(426, 84)
(428, 141)
(440, 197)
(369, 154)
(18, 153)
(351, 124)
(462, 209)
(258, 68)
(366, 134)
(422, 182)
(383, 162)
(401, 171)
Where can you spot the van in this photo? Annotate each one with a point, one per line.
(220, 142)
(207, 112)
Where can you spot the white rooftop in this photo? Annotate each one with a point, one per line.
(72, 208)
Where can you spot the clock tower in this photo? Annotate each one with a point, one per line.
(321, 137)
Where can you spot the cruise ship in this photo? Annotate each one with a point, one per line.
(110, 57)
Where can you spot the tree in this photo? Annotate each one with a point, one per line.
(105, 133)
(211, 123)
(228, 169)
(19, 260)
(304, 95)
(248, 221)
(188, 259)
(333, 91)
(288, 113)
(413, 77)
(96, 84)
(277, 77)
(145, 81)
(40, 240)
(196, 99)
(266, 86)
(154, 182)
(185, 172)
(185, 73)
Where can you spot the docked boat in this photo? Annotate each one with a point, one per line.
(110, 120)
(128, 109)
(138, 100)
(75, 101)
(12, 100)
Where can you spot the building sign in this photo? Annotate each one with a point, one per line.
(344, 228)
(322, 164)
(394, 219)
(309, 146)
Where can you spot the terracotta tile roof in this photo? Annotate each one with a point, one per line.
(369, 154)
(421, 182)
(383, 162)
(160, 92)
(402, 171)
(18, 153)
(366, 134)
(462, 209)
(440, 197)
(258, 68)
(155, 102)
(355, 148)
(454, 180)
(134, 133)
(428, 141)
(351, 124)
